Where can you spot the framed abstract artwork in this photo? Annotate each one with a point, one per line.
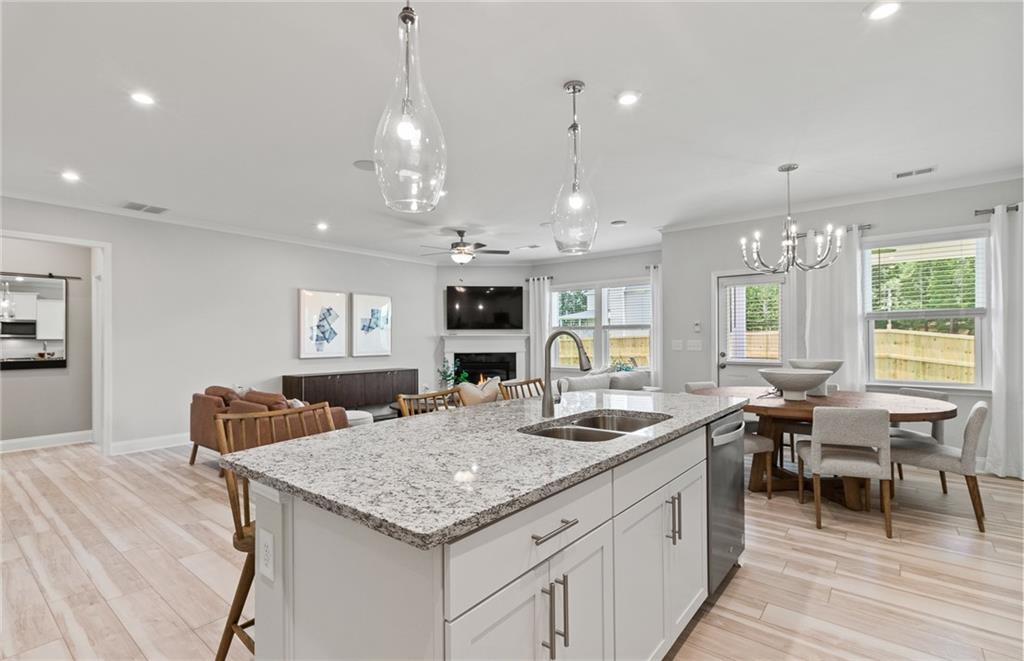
(323, 324)
(371, 325)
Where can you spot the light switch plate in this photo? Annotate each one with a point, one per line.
(677, 345)
(694, 345)
(265, 553)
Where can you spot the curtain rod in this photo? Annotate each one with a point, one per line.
(989, 212)
(40, 276)
(849, 228)
(540, 277)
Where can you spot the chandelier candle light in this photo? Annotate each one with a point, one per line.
(828, 246)
(409, 153)
(574, 214)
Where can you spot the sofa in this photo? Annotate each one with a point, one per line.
(220, 399)
(606, 380)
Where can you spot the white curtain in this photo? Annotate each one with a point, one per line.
(1006, 434)
(834, 324)
(657, 322)
(540, 321)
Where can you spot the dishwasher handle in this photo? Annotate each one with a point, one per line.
(728, 433)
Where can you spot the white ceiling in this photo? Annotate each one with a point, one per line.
(261, 109)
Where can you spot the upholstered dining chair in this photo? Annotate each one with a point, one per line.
(936, 432)
(243, 431)
(851, 443)
(753, 443)
(945, 459)
(522, 389)
(428, 402)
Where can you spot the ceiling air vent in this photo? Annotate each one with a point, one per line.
(914, 173)
(145, 208)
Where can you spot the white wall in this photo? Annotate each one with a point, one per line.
(690, 256)
(41, 402)
(193, 308)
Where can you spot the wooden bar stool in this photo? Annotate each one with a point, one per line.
(522, 389)
(428, 402)
(242, 431)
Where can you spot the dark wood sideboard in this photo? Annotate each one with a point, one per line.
(368, 390)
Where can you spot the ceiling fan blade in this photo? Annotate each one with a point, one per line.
(435, 248)
(477, 246)
(431, 254)
(493, 252)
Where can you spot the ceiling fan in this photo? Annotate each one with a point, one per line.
(463, 252)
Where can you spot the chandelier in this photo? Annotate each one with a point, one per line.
(828, 246)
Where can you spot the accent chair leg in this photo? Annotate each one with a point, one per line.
(192, 457)
(800, 479)
(768, 476)
(899, 469)
(892, 480)
(979, 511)
(883, 488)
(942, 478)
(792, 446)
(817, 499)
(235, 612)
(867, 495)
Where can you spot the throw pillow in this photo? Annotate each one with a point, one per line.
(590, 382)
(630, 380)
(474, 394)
(296, 403)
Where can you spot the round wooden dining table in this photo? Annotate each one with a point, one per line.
(776, 416)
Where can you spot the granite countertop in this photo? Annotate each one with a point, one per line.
(429, 479)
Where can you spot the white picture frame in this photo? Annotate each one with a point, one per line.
(331, 339)
(371, 325)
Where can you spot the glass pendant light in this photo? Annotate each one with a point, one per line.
(6, 302)
(409, 153)
(574, 215)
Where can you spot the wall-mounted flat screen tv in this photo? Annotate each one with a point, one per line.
(484, 308)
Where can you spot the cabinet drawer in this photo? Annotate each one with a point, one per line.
(477, 565)
(641, 476)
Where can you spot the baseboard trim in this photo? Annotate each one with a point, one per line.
(46, 441)
(150, 443)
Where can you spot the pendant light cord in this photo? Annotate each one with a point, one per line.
(575, 128)
(408, 17)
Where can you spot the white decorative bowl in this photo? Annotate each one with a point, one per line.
(817, 364)
(794, 383)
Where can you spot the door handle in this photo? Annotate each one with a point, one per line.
(552, 631)
(721, 354)
(564, 633)
(721, 366)
(673, 502)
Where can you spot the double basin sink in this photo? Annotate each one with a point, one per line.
(597, 428)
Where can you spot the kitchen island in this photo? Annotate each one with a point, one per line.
(463, 534)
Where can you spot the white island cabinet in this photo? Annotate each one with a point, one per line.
(513, 559)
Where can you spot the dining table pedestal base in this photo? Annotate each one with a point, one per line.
(848, 491)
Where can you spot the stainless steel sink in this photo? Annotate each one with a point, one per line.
(574, 433)
(622, 423)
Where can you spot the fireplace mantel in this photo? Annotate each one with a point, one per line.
(489, 343)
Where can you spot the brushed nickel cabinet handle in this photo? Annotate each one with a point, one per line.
(564, 633)
(566, 524)
(552, 631)
(675, 531)
(679, 515)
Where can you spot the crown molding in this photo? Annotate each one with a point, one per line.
(653, 247)
(998, 176)
(218, 227)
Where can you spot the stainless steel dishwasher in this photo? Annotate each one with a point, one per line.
(726, 494)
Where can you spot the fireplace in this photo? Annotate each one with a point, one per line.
(482, 366)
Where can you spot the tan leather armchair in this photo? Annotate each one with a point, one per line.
(219, 399)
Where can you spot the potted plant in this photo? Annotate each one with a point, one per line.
(451, 374)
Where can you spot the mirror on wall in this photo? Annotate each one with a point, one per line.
(33, 321)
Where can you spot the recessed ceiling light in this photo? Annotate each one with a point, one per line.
(143, 98)
(363, 164)
(628, 97)
(70, 175)
(618, 223)
(322, 226)
(878, 11)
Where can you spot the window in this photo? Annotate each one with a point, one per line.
(925, 305)
(753, 317)
(620, 334)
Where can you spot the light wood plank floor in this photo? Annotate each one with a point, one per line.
(130, 557)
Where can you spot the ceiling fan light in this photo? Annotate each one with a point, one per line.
(462, 257)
